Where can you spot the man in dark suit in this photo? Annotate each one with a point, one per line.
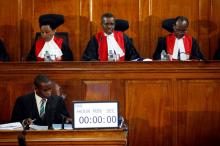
(40, 107)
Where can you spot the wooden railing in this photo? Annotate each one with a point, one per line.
(115, 137)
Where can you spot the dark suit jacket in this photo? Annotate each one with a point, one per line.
(26, 107)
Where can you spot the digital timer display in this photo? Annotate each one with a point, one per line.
(95, 114)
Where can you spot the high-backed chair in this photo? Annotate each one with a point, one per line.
(167, 24)
(121, 25)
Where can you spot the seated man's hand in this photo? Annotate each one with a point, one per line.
(69, 120)
(27, 122)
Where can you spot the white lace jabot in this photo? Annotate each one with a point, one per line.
(52, 48)
(113, 45)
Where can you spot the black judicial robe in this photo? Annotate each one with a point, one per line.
(3, 53)
(162, 45)
(67, 53)
(26, 107)
(91, 51)
(217, 55)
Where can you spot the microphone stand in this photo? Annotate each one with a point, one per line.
(21, 138)
(63, 120)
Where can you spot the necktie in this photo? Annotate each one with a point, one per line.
(42, 108)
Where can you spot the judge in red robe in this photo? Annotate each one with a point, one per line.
(178, 45)
(49, 46)
(109, 44)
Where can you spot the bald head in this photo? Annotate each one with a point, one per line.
(180, 27)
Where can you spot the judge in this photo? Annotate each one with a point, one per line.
(178, 45)
(109, 44)
(40, 107)
(3, 53)
(49, 43)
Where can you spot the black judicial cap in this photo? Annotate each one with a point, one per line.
(121, 25)
(54, 20)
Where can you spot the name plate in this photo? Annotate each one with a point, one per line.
(102, 114)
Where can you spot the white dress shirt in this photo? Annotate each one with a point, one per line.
(38, 101)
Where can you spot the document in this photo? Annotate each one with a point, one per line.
(38, 127)
(55, 127)
(11, 126)
(59, 126)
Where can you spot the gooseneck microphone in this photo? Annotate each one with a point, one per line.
(63, 120)
(21, 138)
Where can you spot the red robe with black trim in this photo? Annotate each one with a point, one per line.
(103, 46)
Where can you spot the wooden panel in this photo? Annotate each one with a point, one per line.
(71, 89)
(10, 26)
(214, 34)
(197, 112)
(96, 90)
(26, 25)
(86, 24)
(204, 25)
(116, 137)
(13, 87)
(148, 107)
(4, 102)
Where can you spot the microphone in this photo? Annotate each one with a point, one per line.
(21, 139)
(121, 121)
(63, 120)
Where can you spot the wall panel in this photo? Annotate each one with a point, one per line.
(96, 90)
(214, 29)
(10, 15)
(148, 112)
(196, 106)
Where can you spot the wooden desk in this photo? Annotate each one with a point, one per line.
(165, 103)
(67, 138)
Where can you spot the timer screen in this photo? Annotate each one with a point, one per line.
(95, 114)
